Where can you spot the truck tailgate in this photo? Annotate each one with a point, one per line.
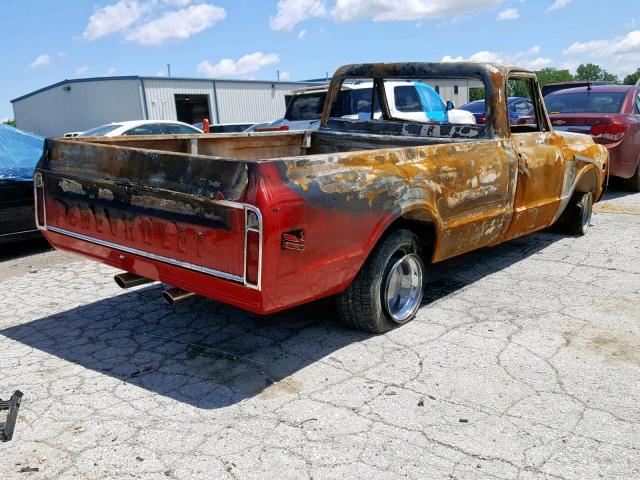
(176, 208)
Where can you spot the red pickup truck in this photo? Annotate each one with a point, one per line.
(267, 221)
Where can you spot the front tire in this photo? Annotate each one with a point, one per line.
(388, 290)
(576, 218)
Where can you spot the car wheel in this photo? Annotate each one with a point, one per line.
(387, 291)
(576, 218)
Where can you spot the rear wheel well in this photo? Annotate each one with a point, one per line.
(424, 228)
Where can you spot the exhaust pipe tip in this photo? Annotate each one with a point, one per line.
(128, 280)
(175, 295)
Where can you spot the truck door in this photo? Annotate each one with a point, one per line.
(540, 161)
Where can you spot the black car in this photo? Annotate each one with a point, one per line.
(19, 153)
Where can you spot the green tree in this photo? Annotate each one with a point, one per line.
(476, 93)
(11, 123)
(593, 72)
(632, 78)
(553, 75)
(518, 88)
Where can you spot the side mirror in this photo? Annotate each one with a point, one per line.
(450, 105)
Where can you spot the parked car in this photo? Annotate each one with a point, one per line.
(517, 108)
(611, 115)
(225, 127)
(257, 126)
(554, 87)
(353, 209)
(19, 153)
(139, 127)
(408, 100)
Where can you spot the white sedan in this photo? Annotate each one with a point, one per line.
(141, 127)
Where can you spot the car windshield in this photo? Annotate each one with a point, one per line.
(101, 130)
(19, 153)
(308, 106)
(178, 129)
(585, 102)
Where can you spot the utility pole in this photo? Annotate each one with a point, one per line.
(278, 74)
(168, 69)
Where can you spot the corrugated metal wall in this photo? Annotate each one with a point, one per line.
(79, 106)
(161, 102)
(447, 89)
(252, 102)
(236, 102)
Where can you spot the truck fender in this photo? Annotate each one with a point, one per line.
(586, 181)
(419, 218)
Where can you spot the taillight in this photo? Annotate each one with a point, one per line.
(38, 185)
(597, 130)
(281, 128)
(611, 132)
(482, 119)
(253, 253)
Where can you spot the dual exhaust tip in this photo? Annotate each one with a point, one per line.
(171, 296)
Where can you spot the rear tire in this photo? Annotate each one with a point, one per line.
(576, 218)
(388, 289)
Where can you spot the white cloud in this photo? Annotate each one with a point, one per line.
(152, 22)
(382, 10)
(301, 34)
(179, 24)
(291, 12)
(285, 76)
(509, 14)
(43, 60)
(530, 59)
(618, 55)
(113, 18)
(111, 71)
(82, 70)
(558, 4)
(246, 64)
(629, 43)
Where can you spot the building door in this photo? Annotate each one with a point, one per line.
(192, 109)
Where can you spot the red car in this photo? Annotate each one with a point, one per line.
(611, 115)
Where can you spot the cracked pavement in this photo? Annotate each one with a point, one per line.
(524, 363)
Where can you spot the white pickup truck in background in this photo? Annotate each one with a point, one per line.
(408, 100)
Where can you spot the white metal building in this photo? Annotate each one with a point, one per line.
(81, 104)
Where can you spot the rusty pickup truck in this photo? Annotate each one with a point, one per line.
(267, 221)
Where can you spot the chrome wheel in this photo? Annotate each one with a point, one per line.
(586, 213)
(402, 292)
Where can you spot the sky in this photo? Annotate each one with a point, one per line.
(46, 41)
